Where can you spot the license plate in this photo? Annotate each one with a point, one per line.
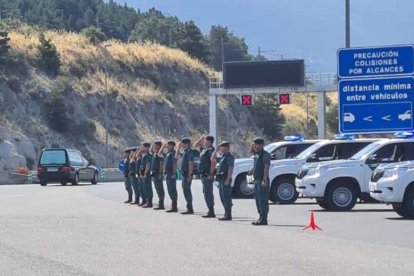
(52, 169)
(371, 188)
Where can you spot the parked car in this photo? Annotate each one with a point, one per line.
(64, 166)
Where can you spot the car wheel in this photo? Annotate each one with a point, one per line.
(408, 204)
(398, 208)
(322, 203)
(94, 180)
(340, 197)
(63, 183)
(76, 180)
(43, 183)
(241, 188)
(283, 191)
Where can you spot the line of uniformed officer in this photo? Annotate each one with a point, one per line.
(152, 162)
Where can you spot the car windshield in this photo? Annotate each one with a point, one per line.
(305, 154)
(53, 157)
(362, 154)
(270, 148)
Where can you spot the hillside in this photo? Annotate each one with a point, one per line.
(155, 92)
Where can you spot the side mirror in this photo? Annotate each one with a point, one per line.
(372, 159)
(313, 158)
(273, 156)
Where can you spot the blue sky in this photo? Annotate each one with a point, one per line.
(310, 29)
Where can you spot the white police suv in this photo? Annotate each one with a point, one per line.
(289, 148)
(394, 184)
(283, 172)
(336, 185)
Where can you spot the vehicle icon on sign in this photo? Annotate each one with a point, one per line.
(349, 117)
(405, 116)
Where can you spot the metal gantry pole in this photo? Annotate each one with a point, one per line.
(347, 23)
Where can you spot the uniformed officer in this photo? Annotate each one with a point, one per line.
(128, 185)
(133, 175)
(187, 167)
(157, 173)
(205, 146)
(140, 178)
(223, 176)
(146, 174)
(170, 169)
(261, 180)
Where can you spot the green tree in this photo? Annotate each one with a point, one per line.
(155, 27)
(193, 41)
(57, 111)
(266, 111)
(4, 44)
(332, 118)
(235, 48)
(94, 34)
(48, 56)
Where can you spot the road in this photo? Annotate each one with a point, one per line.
(87, 230)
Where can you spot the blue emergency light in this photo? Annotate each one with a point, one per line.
(404, 135)
(344, 136)
(293, 138)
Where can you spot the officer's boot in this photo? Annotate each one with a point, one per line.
(129, 199)
(160, 205)
(190, 210)
(257, 221)
(148, 205)
(136, 202)
(143, 202)
(227, 215)
(262, 221)
(210, 213)
(174, 208)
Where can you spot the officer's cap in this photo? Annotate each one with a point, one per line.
(134, 149)
(224, 144)
(127, 151)
(158, 143)
(172, 143)
(146, 145)
(258, 140)
(186, 140)
(210, 138)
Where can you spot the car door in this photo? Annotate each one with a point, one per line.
(325, 153)
(89, 171)
(77, 163)
(386, 154)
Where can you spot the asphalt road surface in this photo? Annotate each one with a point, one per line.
(87, 230)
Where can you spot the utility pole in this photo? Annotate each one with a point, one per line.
(106, 106)
(347, 23)
(258, 52)
(222, 53)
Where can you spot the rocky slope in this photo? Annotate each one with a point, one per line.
(154, 93)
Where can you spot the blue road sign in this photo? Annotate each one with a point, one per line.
(121, 166)
(376, 61)
(376, 105)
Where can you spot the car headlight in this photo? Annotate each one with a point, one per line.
(394, 172)
(317, 170)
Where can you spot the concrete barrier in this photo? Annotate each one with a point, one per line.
(13, 178)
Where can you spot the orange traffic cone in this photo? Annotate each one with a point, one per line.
(312, 225)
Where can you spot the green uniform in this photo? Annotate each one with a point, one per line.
(187, 179)
(261, 193)
(204, 170)
(225, 163)
(134, 180)
(127, 180)
(156, 163)
(146, 178)
(170, 175)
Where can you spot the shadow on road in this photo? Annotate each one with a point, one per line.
(287, 225)
(297, 203)
(399, 219)
(355, 211)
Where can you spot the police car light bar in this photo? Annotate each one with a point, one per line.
(292, 138)
(404, 135)
(343, 136)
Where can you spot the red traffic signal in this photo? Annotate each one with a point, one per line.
(246, 100)
(284, 98)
